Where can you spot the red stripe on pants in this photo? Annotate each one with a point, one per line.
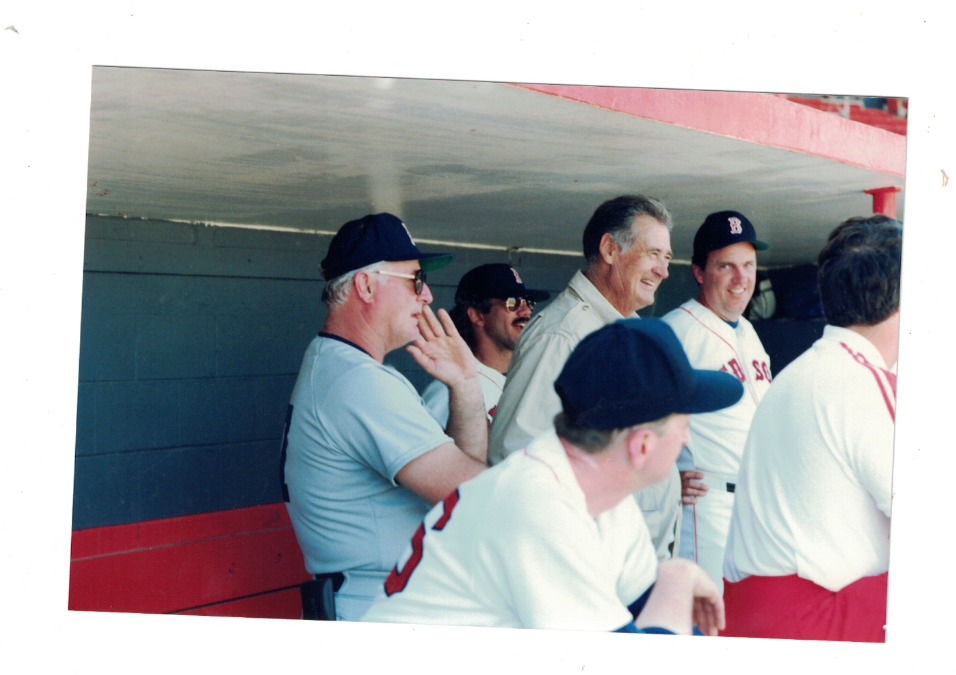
(797, 609)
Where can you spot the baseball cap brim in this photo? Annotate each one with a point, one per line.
(713, 390)
(434, 261)
(759, 245)
(537, 295)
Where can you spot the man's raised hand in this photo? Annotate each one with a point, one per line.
(440, 350)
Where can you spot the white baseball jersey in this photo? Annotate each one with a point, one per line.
(529, 402)
(436, 394)
(717, 438)
(516, 547)
(813, 497)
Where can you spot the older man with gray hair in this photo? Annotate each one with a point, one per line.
(362, 460)
(627, 248)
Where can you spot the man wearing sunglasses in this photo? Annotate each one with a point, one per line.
(492, 306)
(627, 248)
(362, 460)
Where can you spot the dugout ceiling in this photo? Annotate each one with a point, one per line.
(474, 163)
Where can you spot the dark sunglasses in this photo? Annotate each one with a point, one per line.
(514, 304)
(419, 278)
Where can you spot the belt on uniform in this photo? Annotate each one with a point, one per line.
(719, 481)
(318, 596)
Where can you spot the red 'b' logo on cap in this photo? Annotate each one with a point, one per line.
(517, 278)
(409, 234)
(735, 227)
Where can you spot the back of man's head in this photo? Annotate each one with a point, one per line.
(616, 217)
(859, 271)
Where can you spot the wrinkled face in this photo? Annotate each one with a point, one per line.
(401, 305)
(505, 327)
(643, 267)
(728, 281)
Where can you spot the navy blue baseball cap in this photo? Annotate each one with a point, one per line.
(375, 238)
(495, 280)
(634, 371)
(722, 229)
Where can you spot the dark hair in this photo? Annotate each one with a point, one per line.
(595, 440)
(459, 315)
(616, 216)
(859, 271)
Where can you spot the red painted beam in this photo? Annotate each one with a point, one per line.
(884, 200)
(757, 118)
(97, 541)
(181, 563)
(285, 604)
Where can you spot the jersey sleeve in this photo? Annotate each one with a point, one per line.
(435, 397)
(380, 420)
(529, 402)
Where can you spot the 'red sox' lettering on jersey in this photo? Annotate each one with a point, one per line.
(761, 370)
(735, 369)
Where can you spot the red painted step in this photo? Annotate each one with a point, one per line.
(241, 557)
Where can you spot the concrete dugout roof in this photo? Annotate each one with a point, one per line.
(473, 163)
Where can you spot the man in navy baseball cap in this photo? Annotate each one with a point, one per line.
(715, 334)
(376, 238)
(551, 537)
(495, 291)
(634, 371)
(362, 460)
(722, 229)
(492, 307)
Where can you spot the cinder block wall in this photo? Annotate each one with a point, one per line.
(190, 342)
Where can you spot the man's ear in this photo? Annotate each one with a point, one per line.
(363, 286)
(698, 273)
(608, 248)
(639, 443)
(476, 317)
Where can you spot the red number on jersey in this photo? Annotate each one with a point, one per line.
(397, 580)
(766, 370)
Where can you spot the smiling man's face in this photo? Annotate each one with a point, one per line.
(505, 327)
(643, 266)
(727, 282)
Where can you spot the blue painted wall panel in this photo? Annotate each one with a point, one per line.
(233, 410)
(107, 346)
(248, 474)
(181, 348)
(131, 415)
(85, 419)
(264, 344)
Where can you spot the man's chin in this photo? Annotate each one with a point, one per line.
(645, 301)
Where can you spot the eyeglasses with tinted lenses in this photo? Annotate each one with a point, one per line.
(514, 304)
(419, 278)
